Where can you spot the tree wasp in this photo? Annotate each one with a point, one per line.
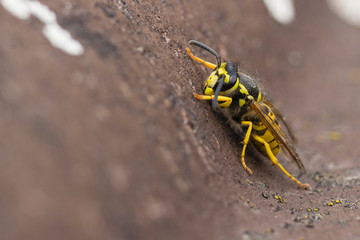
(239, 95)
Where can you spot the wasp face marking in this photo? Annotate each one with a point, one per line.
(229, 70)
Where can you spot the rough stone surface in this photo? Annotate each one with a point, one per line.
(112, 144)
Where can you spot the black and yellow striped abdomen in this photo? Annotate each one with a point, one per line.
(260, 130)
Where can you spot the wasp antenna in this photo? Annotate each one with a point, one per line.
(217, 92)
(203, 46)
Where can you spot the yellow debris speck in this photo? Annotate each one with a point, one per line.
(333, 135)
(330, 204)
(280, 199)
(269, 231)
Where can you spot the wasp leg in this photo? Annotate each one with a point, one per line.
(208, 64)
(276, 162)
(227, 100)
(245, 142)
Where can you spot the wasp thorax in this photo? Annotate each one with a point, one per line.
(250, 87)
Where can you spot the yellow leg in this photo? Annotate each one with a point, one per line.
(276, 162)
(246, 141)
(208, 64)
(225, 99)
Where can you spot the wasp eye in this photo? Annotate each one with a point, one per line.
(231, 70)
(232, 79)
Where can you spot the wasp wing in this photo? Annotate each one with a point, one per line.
(276, 131)
(282, 119)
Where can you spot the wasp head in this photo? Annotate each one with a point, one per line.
(223, 78)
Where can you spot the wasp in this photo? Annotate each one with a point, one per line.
(239, 95)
